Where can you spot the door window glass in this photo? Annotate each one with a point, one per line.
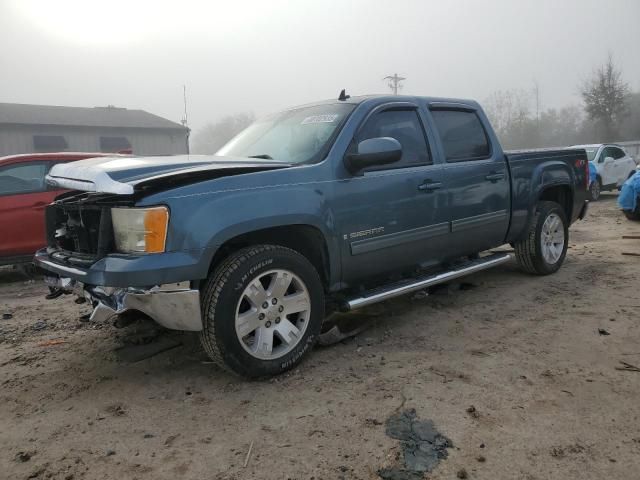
(462, 135)
(24, 178)
(617, 153)
(406, 128)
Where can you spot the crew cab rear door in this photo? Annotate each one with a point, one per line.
(476, 176)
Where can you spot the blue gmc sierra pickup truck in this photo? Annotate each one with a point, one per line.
(332, 205)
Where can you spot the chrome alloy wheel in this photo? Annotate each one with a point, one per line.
(552, 239)
(272, 314)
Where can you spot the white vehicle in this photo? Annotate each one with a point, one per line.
(613, 164)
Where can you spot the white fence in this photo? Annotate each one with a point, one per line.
(633, 149)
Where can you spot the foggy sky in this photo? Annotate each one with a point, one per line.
(263, 56)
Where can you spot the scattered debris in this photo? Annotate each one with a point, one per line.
(631, 237)
(627, 367)
(246, 460)
(423, 446)
(23, 456)
(137, 353)
(39, 325)
(561, 452)
(631, 254)
(420, 294)
(7, 316)
(473, 412)
(117, 410)
(602, 331)
(372, 421)
(110, 453)
(50, 343)
(481, 459)
(341, 326)
(462, 473)
(170, 439)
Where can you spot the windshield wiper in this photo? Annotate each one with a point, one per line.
(264, 156)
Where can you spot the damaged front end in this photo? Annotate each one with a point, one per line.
(175, 306)
(80, 238)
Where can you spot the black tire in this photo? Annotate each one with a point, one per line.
(529, 250)
(222, 293)
(632, 215)
(595, 189)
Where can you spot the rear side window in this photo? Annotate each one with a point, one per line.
(23, 178)
(608, 152)
(462, 135)
(617, 153)
(406, 128)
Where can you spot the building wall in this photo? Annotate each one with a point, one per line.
(19, 139)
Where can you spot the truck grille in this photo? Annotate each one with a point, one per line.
(79, 230)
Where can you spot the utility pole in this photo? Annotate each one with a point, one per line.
(185, 118)
(394, 82)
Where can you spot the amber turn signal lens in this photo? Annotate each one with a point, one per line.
(155, 229)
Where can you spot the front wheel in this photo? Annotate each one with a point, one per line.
(544, 248)
(262, 311)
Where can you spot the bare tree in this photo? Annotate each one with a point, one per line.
(213, 136)
(605, 97)
(507, 109)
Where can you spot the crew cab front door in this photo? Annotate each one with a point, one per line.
(477, 180)
(392, 217)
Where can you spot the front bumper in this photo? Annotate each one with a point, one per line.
(133, 270)
(174, 306)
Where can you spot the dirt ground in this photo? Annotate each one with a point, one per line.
(550, 400)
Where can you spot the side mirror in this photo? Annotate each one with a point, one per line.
(608, 160)
(372, 152)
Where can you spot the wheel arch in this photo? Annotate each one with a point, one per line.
(308, 240)
(560, 194)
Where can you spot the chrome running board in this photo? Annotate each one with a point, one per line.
(400, 288)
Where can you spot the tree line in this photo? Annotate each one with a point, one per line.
(610, 112)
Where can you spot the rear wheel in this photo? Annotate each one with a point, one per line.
(544, 248)
(262, 311)
(594, 190)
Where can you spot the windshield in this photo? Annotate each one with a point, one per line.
(293, 136)
(591, 153)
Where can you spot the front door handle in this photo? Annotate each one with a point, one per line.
(429, 186)
(494, 177)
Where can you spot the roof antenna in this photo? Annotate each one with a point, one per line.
(343, 95)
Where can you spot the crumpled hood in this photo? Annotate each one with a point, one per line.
(120, 175)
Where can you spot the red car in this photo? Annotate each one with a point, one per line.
(23, 197)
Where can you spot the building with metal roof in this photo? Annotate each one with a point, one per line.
(45, 128)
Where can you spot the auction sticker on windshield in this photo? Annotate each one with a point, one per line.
(328, 118)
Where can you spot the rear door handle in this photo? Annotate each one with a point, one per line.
(429, 186)
(494, 177)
